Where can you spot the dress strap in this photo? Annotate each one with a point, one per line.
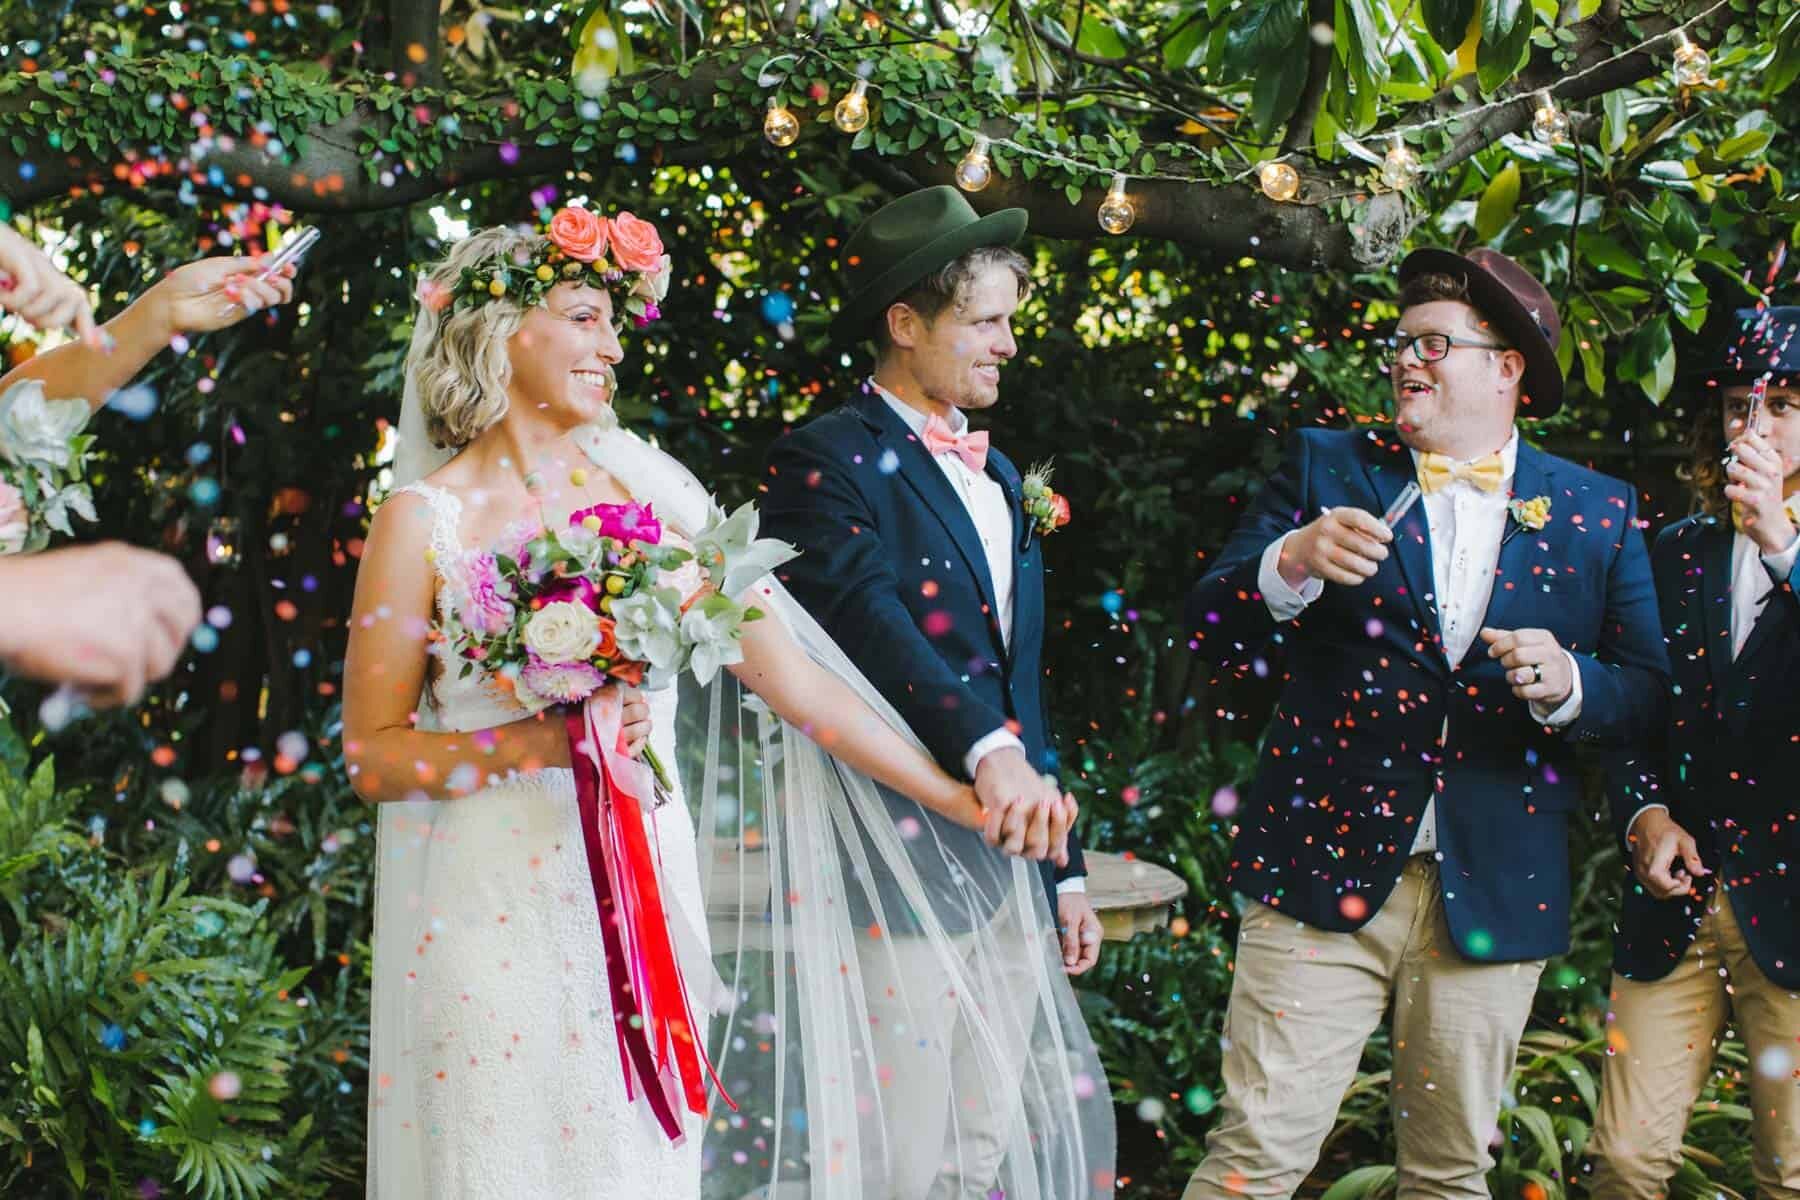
(446, 514)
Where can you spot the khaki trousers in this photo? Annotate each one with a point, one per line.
(937, 1149)
(1661, 1045)
(1303, 1003)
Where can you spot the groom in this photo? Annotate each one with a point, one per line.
(1404, 845)
(918, 559)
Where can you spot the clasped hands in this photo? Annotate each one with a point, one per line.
(1346, 546)
(1023, 812)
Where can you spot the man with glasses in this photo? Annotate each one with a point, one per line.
(1403, 844)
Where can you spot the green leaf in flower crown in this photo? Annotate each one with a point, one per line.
(731, 554)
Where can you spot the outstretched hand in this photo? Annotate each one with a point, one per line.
(214, 293)
(38, 292)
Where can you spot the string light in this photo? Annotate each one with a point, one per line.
(852, 112)
(975, 172)
(1279, 181)
(1116, 211)
(780, 126)
(1693, 64)
(1399, 166)
(1549, 125)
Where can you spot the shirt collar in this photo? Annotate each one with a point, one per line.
(915, 420)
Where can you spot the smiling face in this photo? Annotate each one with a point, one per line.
(1462, 404)
(563, 356)
(955, 357)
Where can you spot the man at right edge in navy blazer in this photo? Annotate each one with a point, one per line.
(1404, 844)
(1709, 933)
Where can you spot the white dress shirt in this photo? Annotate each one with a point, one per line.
(1753, 578)
(987, 506)
(1467, 527)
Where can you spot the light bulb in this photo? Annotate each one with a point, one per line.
(1116, 212)
(852, 112)
(1692, 63)
(1279, 181)
(779, 125)
(974, 172)
(1399, 166)
(1549, 125)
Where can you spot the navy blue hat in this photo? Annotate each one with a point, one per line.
(1759, 341)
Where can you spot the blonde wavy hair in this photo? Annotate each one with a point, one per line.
(460, 364)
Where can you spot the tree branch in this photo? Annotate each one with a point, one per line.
(1318, 77)
(1593, 47)
(418, 47)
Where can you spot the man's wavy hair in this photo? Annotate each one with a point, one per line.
(945, 287)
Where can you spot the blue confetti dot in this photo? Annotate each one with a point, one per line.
(303, 658)
(146, 1128)
(1112, 602)
(112, 1037)
(628, 152)
(198, 454)
(888, 463)
(778, 308)
(137, 401)
(204, 491)
(205, 639)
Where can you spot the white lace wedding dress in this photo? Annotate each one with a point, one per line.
(506, 1081)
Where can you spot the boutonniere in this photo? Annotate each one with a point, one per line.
(1048, 510)
(1532, 514)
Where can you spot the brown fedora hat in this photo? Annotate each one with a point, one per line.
(1516, 305)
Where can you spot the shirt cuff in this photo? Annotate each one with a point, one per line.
(1781, 563)
(1285, 603)
(1632, 824)
(1000, 739)
(1074, 883)
(1569, 709)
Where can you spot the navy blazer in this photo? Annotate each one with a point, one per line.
(1730, 764)
(1352, 753)
(892, 567)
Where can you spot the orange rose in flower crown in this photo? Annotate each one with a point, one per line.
(622, 254)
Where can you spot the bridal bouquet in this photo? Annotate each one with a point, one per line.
(43, 455)
(607, 598)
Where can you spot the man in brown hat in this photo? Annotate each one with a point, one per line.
(1403, 845)
(919, 558)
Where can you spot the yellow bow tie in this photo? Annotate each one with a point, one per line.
(1792, 504)
(1438, 471)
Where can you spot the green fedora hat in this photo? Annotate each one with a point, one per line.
(908, 239)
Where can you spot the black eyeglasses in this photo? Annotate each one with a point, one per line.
(1433, 347)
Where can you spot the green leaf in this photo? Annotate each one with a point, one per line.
(1189, 45)
(1098, 37)
(1264, 33)
(1361, 1183)
(1499, 201)
(1745, 145)
(1448, 21)
(1681, 227)
(1073, 192)
(1615, 126)
(1601, 250)
(1277, 93)
(1505, 41)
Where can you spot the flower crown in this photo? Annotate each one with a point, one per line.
(611, 254)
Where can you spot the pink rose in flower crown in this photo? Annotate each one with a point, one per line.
(15, 520)
(636, 246)
(579, 234)
(627, 523)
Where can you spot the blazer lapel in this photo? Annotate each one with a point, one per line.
(1715, 602)
(1028, 591)
(1389, 467)
(1518, 545)
(921, 472)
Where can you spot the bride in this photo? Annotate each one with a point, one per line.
(496, 1061)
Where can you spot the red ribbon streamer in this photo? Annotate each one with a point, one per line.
(651, 1012)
